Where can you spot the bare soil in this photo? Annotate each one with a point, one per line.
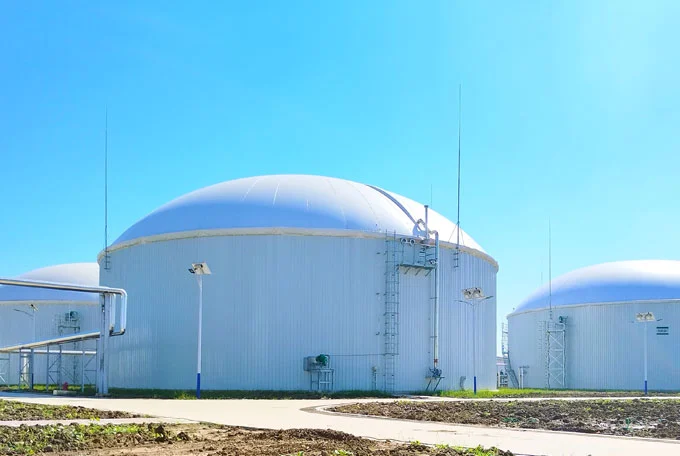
(637, 417)
(512, 393)
(205, 440)
(21, 411)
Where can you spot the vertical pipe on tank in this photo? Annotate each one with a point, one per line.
(427, 232)
(435, 349)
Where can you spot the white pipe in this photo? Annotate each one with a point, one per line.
(436, 301)
(56, 341)
(123, 314)
(112, 314)
(63, 352)
(427, 232)
(61, 286)
(82, 288)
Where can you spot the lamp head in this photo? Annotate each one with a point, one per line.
(473, 293)
(200, 269)
(644, 316)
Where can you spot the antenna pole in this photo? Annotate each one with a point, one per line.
(460, 102)
(106, 189)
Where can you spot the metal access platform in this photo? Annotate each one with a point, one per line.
(111, 325)
(53, 352)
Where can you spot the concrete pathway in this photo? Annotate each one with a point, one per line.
(287, 414)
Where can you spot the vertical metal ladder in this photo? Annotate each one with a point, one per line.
(391, 310)
(456, 253)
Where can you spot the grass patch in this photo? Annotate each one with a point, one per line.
(77, 437)
(242, 394)
(41, 389)
(198, 439)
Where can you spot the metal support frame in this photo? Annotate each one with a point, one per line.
(555, 353)
(56, 371)
(4, 368)
(433, 382)
(322, 378)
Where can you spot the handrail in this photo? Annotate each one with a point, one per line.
(56, 341)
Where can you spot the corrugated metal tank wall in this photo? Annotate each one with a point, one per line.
(272, 300)
(17, 328)
(604, 346)
(525, 346)
(456, 333)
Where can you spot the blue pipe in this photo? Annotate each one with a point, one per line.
(198, 385)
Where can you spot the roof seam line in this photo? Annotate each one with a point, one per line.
(393, 200)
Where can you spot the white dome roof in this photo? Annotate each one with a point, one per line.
(642, 280)
(74, 273)
(292, 201)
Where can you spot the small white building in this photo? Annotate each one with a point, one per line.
(301, 266)
(583, 333)
(36, 314)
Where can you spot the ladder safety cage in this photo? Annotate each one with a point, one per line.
(110, 326)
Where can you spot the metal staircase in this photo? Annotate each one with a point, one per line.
(514, 383)
(391, 314)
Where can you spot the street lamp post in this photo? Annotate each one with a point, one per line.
(199, 269)
(645, 317)
(472, 296)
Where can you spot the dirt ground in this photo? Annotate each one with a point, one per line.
(205, 440)
(20, 411)
(637, 417)
(511, 393)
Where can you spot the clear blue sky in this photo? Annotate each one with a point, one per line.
(570, 111)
